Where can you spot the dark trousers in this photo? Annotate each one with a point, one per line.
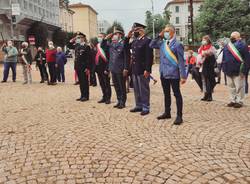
(93, 78)
(7, 66)
(43, 72)
(175, 84)
(197, 77)
(120, 87)
(60, 73)
(104, 81)
(246, 82)
(84, 83)
(52, 71)
(141, 92)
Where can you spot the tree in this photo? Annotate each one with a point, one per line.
(40, 31)
(160, 22)
(115, 25)
(59, 37)
(219, 18)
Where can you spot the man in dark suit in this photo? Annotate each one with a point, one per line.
(142, 60)
(172, 70)
(102, 62)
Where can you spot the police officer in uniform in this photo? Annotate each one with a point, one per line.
(82, 64)
(142, 60)
(118, 65)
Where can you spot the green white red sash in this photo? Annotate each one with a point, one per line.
(100, 53)
(234, 51)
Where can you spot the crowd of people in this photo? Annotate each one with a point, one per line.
(119, 57)
(52, 58)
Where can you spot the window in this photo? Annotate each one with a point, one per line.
(177, 9)
(177, 32)
(177, 20)
(25, 5)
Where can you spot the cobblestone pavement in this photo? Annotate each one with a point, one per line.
(48, 137)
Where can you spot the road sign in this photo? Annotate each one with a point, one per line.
(15, 9)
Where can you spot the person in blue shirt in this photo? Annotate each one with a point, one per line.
(172, 70)
(61, 60)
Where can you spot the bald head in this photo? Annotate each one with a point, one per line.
(235, 35)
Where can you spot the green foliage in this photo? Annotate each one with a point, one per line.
(218, 18)
(40, 31)
(115, 25)
(59, 37)
(160, 22)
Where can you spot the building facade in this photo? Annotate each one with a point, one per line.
(180, 12)
(66, 16)
(45, 11)
(103, 26)
(85, 19)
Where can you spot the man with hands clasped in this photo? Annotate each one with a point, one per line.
(172, 70)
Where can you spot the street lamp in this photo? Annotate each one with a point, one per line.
(192, 20)
(152, 2)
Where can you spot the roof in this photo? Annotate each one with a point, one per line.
(182, 2)
(81, 5)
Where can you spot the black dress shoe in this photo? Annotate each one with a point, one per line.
(84, 99)
(144, 113)
(117, 105)
(76, 83)
(231, 104)
(178, 120)
(136, 109)
(42, 81)
(205, 97)
(121, 106)
(14, 80)
(3, 81)
(102, 101)
(107, 102)
(164, 116)
(238, 105)
(79, 99)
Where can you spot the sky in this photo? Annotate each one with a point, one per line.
(125, 11)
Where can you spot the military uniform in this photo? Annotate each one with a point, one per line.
(117, 64)
(82, 65)
(142, 60)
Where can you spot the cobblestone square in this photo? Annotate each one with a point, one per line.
(47, 137)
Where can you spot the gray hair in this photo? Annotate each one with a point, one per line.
(25, 44)
(171, 27)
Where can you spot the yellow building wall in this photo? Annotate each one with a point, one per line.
(85, 21)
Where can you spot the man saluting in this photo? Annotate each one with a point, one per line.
(172, 70)
(142, 60)
(82, 64)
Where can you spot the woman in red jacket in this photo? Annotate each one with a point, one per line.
(51, 61)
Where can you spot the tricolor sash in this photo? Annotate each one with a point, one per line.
(100, 53)
(169, 54)
(234, 51)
